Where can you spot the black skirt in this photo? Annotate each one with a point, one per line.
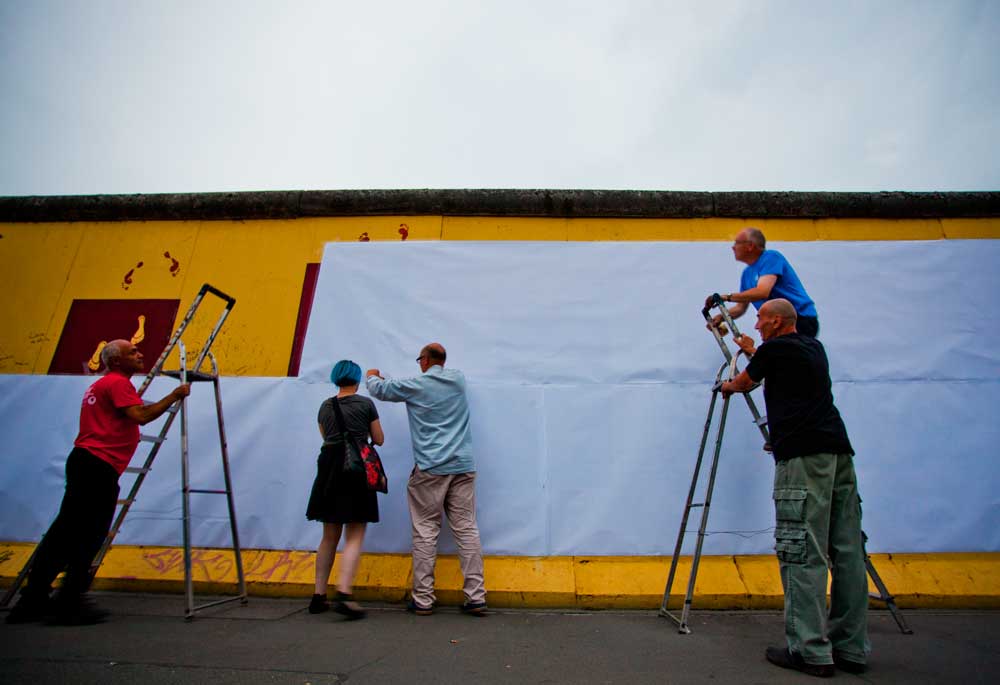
(339, 497)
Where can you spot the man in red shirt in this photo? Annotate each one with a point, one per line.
(110, 417)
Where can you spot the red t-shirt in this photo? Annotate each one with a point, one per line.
(105, 430)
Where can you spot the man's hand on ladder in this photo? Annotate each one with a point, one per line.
(745, 343)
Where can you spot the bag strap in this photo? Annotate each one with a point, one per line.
(342, 425)
(339, 414)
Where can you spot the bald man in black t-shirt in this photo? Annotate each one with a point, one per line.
(816, 500)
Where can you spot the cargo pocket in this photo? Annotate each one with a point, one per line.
(790, 531)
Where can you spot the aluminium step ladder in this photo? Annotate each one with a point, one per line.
(761, 422)
(124, 505)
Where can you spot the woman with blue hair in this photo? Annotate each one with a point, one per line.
(342, 501)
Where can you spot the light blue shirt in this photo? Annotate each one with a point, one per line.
(439, 417)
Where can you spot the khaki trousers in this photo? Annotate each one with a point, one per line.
(455, 493)
(819, 532)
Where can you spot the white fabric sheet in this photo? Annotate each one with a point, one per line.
(589, 372)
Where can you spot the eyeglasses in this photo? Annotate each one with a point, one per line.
(420, 358)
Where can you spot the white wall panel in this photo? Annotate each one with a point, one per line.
(589, 372)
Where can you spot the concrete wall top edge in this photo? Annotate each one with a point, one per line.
(640, 204)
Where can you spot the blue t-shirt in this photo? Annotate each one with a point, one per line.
(788, 285)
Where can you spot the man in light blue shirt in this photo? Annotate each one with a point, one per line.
(444, 476)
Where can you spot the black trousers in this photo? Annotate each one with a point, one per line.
(76, 535)
(808, 325)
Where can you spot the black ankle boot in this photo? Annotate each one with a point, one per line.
(345, 605)
(318, 604)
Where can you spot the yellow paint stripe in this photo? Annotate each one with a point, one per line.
(715, 229)
(946, 580)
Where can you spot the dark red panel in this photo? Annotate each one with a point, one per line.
(302, 323)
(91, 322)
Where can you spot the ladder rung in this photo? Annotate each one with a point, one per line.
(192, 376)
(151, 438)
(125, 501)
(209, 492)
(696, 504)
(137, 469)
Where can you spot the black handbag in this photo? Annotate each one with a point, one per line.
(360, 458)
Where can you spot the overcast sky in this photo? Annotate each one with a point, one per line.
(136, 96)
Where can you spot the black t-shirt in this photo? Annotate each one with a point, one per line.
(358, 411)
(801, 416)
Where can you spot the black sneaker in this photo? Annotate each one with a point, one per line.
(474, 608)
(28, 610)
(781, 656)
(76, 611)
(318, 604)
(848, 666)
(414, 608)
(345, 605)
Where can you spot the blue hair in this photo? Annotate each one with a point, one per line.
(345, 372)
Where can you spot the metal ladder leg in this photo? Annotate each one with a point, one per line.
(191, 607)
(682, 621)
(223, 443)
(883, 593)
(186, 497)
(687, 510)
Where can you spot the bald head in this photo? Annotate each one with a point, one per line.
(432, 354)
(776, 317)
(780, 307)
(435, 353)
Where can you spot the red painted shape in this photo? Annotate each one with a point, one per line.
(302, 322)
(175, 266)
(404, 231)
(127, 280)
(363, 238)
(91, 321)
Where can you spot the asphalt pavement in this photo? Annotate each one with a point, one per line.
(276, 641)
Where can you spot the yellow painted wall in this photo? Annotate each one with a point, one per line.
(45, 266)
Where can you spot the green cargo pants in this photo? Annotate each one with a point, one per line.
(818, 514)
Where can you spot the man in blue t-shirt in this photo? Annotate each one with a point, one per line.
(767, 276)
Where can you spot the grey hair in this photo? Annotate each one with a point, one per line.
(756, 236)
(110, 352)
